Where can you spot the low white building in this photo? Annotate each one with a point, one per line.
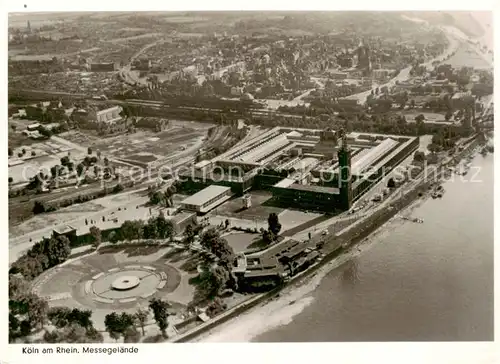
(207, 199)
(107, 116)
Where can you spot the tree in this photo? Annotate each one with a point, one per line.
(17, 286)
(106, 161)
(117, 325)
(113, 237)
(164, 227)
(75, 334)
(57, 250)
(59, 316)
(65, 161)
(212, 282)
(14, 327)
(218, 246)
(95, 232)
(34, 307)
(419, 120)
(448, 116)
(189, 234)
(54, 171)
(419, 156)
(33, 153)
(150, 230)
(273, 223)
(45, 132)
(80, 168)
(160, 312)
(25, 328)
(268, 236)
(132, 229)
(141, 317)
(11, 152)
(156, 198)
(215, 307)
(118, 188)
(39, 208)
(11, 179)
(54, 337)
(131, 335)
(89, 150)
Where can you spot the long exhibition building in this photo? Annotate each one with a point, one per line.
(304, 168)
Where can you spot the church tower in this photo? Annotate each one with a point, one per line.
(345, 177)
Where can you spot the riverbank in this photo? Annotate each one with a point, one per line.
(301, 284)
(292, 298)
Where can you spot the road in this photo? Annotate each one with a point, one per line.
(126, 71)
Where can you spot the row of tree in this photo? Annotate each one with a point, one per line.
(44, 255)
(155, 228)
(162, 198)
(125, 324)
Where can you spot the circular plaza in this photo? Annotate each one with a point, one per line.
(113, 280)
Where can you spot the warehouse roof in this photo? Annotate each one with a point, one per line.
(320, 189)
(205, 195)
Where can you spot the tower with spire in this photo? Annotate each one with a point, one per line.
(29, 27)
(363, 53)
(345, 176)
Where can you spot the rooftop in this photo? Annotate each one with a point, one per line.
(320, 189)
(205, 195)
(64, 229)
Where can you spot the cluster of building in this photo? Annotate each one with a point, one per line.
(303, 168)
(278, 67)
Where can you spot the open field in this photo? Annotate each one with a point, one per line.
(241, 241)
(47, 154)
(179, 136)
(430, 117)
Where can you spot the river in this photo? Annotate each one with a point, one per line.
(416, 282)
(407, 282)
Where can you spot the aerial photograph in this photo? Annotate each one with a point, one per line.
(244, 176)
